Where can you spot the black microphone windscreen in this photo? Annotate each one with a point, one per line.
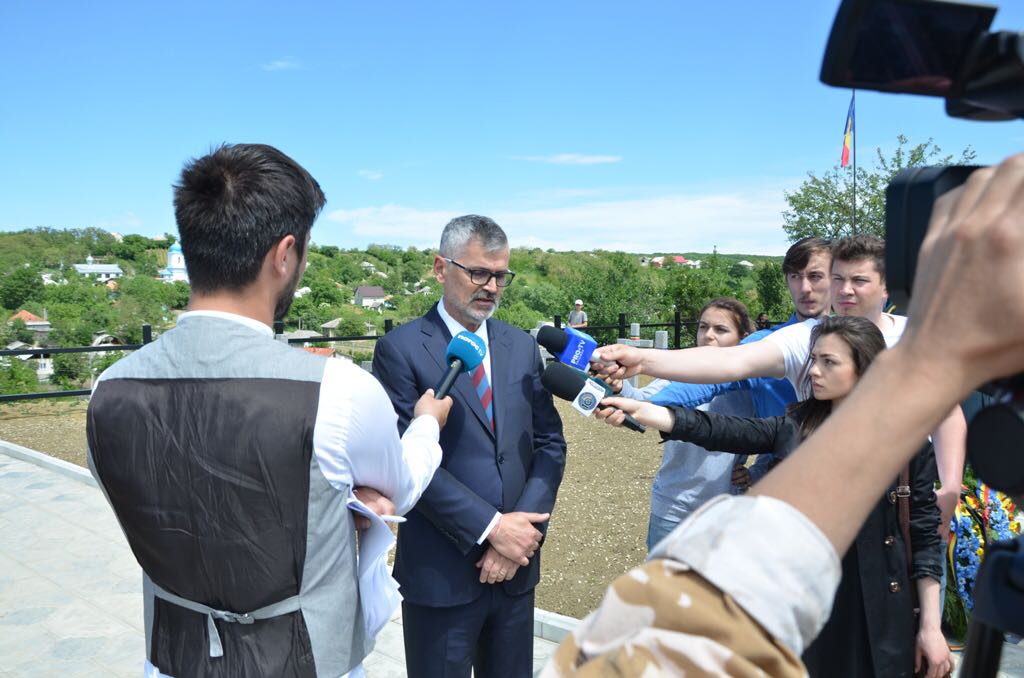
(563, 381)
(552, 338)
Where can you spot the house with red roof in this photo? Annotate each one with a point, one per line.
(40, 327)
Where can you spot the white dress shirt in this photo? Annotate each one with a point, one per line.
(454, 327)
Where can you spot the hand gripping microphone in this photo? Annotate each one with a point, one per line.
(568, 345)
(585, 393)
(465, 353)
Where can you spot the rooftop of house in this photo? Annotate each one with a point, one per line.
(27, 318)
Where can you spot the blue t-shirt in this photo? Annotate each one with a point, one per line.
(770, 397)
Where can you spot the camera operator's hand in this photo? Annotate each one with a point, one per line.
(438, 409)
(971, 276)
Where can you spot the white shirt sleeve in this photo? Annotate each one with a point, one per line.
(356, 441)
(773, 561)
(490, 526)
(795, 343)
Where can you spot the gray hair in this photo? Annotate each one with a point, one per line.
(461, 230)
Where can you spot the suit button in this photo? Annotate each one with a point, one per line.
(892, 497)
(894, 587)
(501, 458)
(890, 540)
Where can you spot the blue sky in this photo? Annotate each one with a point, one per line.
(641, 126)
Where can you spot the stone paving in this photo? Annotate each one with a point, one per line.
(70, 601)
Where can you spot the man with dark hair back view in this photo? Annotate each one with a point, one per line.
(231, 460)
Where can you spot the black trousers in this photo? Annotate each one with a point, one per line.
(493, 635)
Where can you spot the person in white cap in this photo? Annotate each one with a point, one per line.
(577, 316)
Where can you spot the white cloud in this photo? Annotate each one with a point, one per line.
(285, 64)
(394, 224)
(372, 175)
(747, 221)
(571, 159)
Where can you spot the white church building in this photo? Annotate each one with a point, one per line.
(175, 270)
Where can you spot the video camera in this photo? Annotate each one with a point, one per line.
(944, 49)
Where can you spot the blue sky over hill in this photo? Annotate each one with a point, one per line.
(640, 126)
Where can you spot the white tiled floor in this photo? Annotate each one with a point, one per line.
(70, 601)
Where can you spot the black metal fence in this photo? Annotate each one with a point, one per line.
(607, 333)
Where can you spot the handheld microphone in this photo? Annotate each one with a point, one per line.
(465, 353)
(568, 345)
(585, 393)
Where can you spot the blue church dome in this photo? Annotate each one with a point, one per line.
(174, 248)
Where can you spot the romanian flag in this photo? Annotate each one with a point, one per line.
(847, 136)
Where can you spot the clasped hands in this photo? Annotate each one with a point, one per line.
(513, 541)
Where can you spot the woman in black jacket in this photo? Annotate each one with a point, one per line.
(872, 630)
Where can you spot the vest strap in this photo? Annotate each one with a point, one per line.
(286, 606)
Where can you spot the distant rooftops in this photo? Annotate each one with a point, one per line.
(101, 271)
(26, 317)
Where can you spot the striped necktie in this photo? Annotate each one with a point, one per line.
(483, 389)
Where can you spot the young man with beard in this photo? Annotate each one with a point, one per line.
(806, 267)
(468, 558)
(230, 459)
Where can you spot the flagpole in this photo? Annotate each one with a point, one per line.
(853, 133)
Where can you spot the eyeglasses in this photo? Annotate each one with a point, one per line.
(481, 276)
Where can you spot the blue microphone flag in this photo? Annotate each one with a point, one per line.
(467, 348)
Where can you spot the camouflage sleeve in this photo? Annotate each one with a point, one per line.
(665, 619)
(738, 589)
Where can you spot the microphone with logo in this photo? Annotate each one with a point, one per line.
(465, 353)
(568, 345)
(585, 393)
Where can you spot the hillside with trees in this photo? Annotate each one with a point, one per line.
(37, 275)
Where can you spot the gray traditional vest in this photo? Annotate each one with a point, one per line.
(203, 444)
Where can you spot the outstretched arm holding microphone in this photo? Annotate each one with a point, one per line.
(774, 553)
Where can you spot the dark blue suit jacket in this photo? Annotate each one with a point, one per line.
(516, 468)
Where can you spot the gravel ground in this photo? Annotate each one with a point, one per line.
(597, 530)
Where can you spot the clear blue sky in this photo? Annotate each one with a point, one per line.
(671, 126)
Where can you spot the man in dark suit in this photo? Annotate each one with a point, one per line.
(468, 559)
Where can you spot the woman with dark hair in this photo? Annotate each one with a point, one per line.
(690, 475)
(872, 630)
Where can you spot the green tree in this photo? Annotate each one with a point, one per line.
(610, 283)
(822, 205)
(17, 377)
(18, 331)
(518, 314)
(690, 288)
(180, 293)
(772, 292)
(70, 370)
(20, 285)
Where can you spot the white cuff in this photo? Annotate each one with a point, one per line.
(490, 526)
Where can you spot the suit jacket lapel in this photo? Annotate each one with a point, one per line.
(436, 345)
